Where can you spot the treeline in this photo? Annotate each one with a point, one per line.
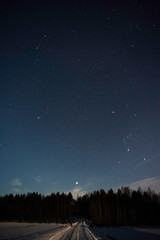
(35, 207)
(124, 207)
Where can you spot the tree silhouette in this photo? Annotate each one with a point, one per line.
(124, 207)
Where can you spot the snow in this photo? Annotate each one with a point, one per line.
(127, 233)
(78, 231)
(27, 231)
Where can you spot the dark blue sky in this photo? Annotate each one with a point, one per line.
(80, 95)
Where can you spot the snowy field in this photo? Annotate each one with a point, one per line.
(127, 233)
(79, 231)
(28, 231)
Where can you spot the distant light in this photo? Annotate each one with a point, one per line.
(38, 117)
(128, 150)
(113, 112)
(76, 183)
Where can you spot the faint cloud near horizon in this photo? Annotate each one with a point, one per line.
(38, 179)
(152, 183)
(16, 182)
(16, 190)
(78, 191)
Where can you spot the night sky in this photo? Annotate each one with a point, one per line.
(79, 95)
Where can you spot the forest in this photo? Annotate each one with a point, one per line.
(103, 208)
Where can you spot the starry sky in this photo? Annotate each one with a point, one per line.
(79, 95)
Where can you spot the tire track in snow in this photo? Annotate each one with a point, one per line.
(79, 232)
(64, 234)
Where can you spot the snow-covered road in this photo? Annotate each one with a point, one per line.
(78, 231)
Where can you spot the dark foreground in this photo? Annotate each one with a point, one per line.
(78, 231)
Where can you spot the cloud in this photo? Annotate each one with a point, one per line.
(78, 191)
(152, 183)
(38, 179)
(81, 190)
(16, 182)
(16, 190)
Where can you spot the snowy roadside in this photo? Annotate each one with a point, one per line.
(125, 233)
(78, 231)
(27, 231)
